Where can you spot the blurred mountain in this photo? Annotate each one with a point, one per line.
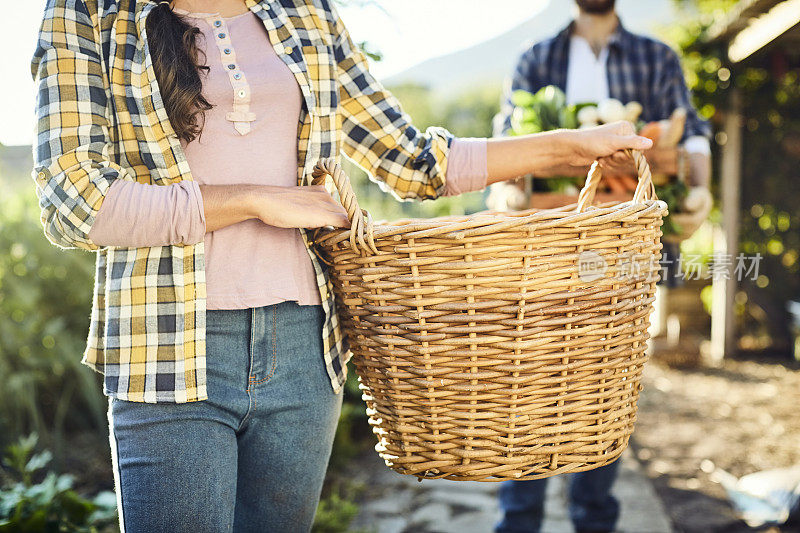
(16, 163)
(490, 61)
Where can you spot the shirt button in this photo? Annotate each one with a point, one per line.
(227, 51)
(237, 76)
(42, 175)
(287, 50)
(231, 66)
(242, 94)
(221, 35)
(217, 23)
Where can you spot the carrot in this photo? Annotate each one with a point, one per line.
(615, 184)
(651, 130)
(630, 182)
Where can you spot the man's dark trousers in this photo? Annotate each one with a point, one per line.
(591, 505)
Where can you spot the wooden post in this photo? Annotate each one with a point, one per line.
(726, 240)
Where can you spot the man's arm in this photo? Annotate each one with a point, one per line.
(674, 94)
(695, 150)
(698, 153)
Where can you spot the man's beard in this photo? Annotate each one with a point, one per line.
(596, 7)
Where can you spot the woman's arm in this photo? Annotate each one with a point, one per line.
(283, 207)
(511, 157)
(413, 164)
(135, 215)
(377, 134)
(71, 168)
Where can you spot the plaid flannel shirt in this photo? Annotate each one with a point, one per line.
(640, 69)
(100, 117)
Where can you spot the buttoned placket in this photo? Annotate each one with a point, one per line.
(241, 116)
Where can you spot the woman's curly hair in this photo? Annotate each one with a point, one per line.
(176, 61)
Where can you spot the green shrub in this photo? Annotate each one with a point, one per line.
(45, 301)
(353, 434)
(49, 505)
(337, 509)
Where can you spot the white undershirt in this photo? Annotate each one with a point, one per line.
(587, 81)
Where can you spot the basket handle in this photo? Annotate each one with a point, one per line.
(645, 190)
(360, 220)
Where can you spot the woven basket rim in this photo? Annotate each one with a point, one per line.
(458, 227)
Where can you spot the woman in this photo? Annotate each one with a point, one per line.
(172, 140)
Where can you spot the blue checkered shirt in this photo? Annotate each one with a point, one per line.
(639, 68)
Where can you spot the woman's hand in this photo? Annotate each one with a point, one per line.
(550, 153)
(605, 141)
(297, 207)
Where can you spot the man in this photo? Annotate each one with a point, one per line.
(592, 59)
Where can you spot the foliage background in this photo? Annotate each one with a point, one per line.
(45, 299)
(769, 83)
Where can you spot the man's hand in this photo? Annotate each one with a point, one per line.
(694, 211)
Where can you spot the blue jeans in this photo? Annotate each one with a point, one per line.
(250, 458)
(591, 505)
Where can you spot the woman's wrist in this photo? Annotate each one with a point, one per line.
(466, 166)
(225, 205)
(511, 157)
(266, 203)
(253, 200)
(566, 143)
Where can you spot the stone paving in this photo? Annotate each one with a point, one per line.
(394, 503)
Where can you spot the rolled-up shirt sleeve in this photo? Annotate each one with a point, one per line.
(139, 214)
(467, 169)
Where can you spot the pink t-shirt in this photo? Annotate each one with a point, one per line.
(249, 137)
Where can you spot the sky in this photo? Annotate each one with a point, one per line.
(405, 31)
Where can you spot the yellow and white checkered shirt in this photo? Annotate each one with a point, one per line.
(100, 117)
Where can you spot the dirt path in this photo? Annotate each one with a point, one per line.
(743, 417)
(393, 503)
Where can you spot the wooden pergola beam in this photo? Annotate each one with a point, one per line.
(726, 238)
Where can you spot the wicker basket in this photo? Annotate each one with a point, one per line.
(499, 345)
